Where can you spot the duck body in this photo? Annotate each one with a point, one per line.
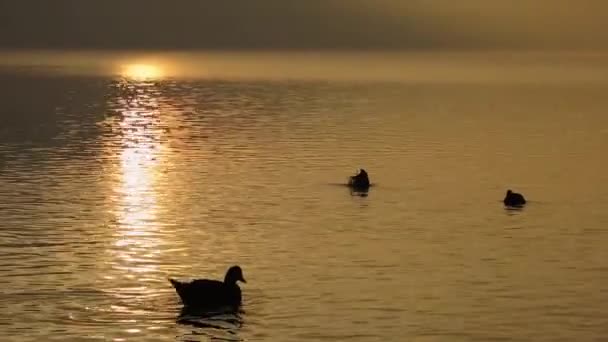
(207, 293)
(514, 199)
(359, 181)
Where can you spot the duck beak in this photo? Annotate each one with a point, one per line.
(243, 280)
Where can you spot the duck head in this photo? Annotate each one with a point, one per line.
(233, 275)
(509, 192)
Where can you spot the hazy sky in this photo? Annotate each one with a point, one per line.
(304, 24)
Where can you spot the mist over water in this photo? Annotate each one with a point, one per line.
(120, 170)
(514, 67)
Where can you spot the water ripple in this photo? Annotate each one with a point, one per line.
(109, 186)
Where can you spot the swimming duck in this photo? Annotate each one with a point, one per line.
(211, 293)
(359, 181)
(513, 199)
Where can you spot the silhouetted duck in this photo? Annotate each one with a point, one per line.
(513, 199)
(206, 293)
(359, 181)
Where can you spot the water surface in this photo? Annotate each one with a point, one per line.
(109, 185)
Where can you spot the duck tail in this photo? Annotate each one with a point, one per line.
(176, 284)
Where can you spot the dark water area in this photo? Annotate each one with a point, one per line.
(109, 185)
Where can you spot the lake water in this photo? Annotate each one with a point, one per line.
(109, 185)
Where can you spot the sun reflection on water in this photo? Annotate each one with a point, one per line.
(138, 127)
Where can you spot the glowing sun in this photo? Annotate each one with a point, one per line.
(142, 71)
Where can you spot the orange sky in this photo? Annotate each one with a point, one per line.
(311, 24)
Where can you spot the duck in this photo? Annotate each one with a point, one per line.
(207, 293)
(359, 181)
(513, 199)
